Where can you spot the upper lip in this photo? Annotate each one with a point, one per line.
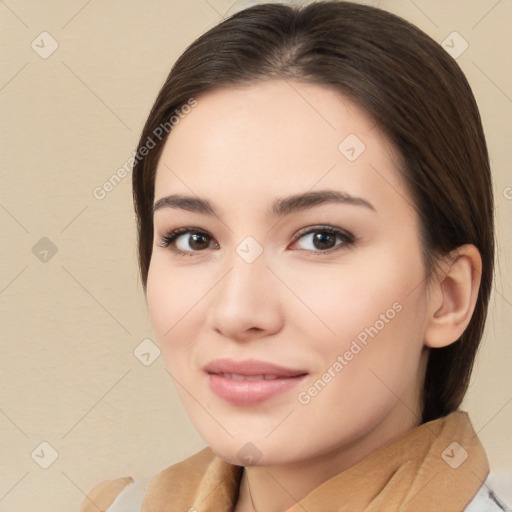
(250, 367)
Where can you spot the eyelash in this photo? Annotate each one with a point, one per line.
(348, 239)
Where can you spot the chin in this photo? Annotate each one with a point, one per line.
(241, 454)
(247, 453)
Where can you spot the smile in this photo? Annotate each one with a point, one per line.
(250, 381)
(234, 376)
(244, 390)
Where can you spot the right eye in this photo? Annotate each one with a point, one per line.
(195, 241)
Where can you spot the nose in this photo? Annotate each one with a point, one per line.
(247, 303)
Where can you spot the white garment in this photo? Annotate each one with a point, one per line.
(130, 498)
(485, 500)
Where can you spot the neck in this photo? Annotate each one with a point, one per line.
(276, 488)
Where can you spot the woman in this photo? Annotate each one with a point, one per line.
(316, 243)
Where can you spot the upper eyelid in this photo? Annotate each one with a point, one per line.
(319, 227)
(184, 230)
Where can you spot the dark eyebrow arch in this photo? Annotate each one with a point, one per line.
(280, 207)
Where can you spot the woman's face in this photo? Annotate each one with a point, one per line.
(332, 290)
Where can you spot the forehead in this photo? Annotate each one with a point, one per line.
(271, 137)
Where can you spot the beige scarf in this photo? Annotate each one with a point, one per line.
(438, 466)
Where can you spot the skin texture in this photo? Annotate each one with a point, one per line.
(241, 148)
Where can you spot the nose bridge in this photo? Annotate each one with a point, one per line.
(248, 273)
(246, 296)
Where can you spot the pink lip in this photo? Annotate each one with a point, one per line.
(248, 392)
(250, 367)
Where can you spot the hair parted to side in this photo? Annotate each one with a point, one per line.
(415, 92)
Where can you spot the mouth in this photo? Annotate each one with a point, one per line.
(234, 376)
(250, 382)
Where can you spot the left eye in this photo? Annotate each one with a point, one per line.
(321, 240)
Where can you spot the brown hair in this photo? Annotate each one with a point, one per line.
(411, 87)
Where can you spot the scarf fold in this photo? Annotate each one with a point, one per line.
(438, 466)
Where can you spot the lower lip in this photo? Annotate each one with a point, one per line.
(249, 392)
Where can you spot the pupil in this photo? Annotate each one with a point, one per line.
(194, 240)
(319, 237)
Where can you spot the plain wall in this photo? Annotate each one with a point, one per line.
(72, 320)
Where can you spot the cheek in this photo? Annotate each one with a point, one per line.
(371, 364)
(381, 328)
(159, 298)
(372, 314)
(172, 291)
(176, 299)
(169, 297)
(340, 301)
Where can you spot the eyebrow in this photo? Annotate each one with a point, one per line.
(280, 207)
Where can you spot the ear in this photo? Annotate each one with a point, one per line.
(453, 295)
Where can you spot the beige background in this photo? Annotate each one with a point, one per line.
(70, 324)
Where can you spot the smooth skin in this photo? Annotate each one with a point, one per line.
(241, 148)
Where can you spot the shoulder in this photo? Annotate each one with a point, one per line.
(104, 494)
(486, 500)
(120, 495)
(126, 494)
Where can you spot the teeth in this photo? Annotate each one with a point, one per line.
(234, 376)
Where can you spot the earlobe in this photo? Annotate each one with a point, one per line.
(454, 296)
